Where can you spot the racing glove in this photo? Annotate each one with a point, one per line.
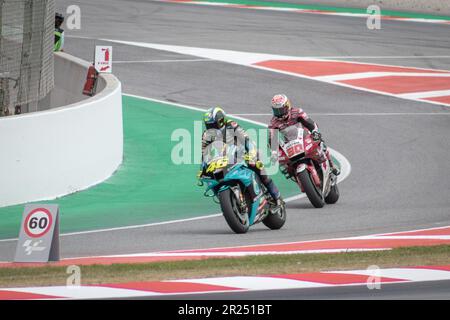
(316, 135)
(202, 168)
(250, 157)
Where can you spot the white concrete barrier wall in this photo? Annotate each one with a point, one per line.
(47, 154)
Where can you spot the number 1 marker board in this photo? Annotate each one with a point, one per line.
(39, 234)
(103, 59)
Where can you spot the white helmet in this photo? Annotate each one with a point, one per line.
(280, 105)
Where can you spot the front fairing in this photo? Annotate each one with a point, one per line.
(238, 172)
(241, 173)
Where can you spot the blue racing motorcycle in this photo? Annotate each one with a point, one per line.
(244, 200)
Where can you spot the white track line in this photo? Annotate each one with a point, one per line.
(249, 59)
(378, 57)
(131, 227)
(371, 236)
(425, 94)
(345, 172)
(84, 292)
(163, 61)
(230, 56)
(312, 57)
(401, 235)
(242, 253)
(358, 114)
(376, 74)
(408, 237)
(255, 283)
(411, 274)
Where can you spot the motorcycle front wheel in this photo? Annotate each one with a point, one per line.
(238, 221)
(333, 196)
(314, 195)
(275, 221)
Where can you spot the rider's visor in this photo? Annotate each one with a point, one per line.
(212, 125)
(281, 111)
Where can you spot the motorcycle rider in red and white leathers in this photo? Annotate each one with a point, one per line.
(284, 116)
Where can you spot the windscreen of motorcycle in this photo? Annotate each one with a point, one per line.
(293, 141)
(291, 133)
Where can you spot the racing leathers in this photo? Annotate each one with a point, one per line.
(233, 134)
(295, 116)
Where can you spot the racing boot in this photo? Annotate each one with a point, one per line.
(334, 170)
(270, 185)
(274, 192)
(277, 202)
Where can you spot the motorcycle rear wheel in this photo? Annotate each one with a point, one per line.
(314, 195)
(237, 221)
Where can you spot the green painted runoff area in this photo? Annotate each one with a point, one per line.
(148, 187)
(277, 4)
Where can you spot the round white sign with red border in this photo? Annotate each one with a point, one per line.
(38, 222)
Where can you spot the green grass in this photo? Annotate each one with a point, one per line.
(253, 265)
(148, 187)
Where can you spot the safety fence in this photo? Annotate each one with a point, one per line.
(26, 53)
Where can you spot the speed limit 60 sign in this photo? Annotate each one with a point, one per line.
(39, 234)
(38, 222)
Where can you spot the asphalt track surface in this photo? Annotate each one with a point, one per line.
(399, 179)
(431, 290)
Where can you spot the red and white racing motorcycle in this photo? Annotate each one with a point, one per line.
(303, 160)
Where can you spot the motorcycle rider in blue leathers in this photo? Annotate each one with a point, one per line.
(217, 127)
